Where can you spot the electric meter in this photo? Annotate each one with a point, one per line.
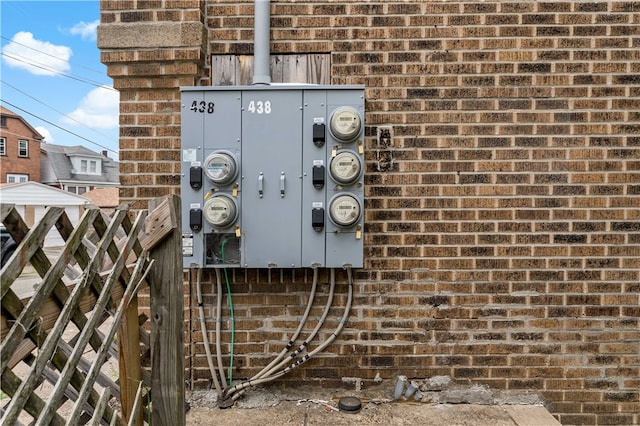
(345, 123)
(345, 167)
(221, 168)
(344, 210)
(220, 211)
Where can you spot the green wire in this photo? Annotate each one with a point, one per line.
(233, 328)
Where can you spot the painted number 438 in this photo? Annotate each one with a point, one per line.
(259, 107)
(202, 107)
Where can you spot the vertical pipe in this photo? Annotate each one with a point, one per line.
(261, 42)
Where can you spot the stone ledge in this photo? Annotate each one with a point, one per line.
(150, 35)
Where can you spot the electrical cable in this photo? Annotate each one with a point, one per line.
(54, 71)
(233, 320)
(302, 323)
(293, 338)
(61, 128)
(49, 54)
(312, 335)
(218, 321)
(203, 327)
(240, 387)
(53, 109)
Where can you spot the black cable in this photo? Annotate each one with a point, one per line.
(55, 125)
(53, 109)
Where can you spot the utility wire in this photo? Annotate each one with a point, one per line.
(52, 108)
(57, 72)
(46, 53)
(61, 128)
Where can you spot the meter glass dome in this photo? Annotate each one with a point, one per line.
(344, 210)
(220, 168)
(220, 211)
(345, 167)
(345, 124)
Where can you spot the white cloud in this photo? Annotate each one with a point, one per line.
(36, 56)
(98, 110)
(87, 31)
(46, 134)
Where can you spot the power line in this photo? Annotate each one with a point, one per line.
(46, 53)
(61, 128)
(57, 72)
(52, 108)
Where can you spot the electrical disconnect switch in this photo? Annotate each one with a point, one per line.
(195, 220)
(195, 177)
(317, 176)
(317, 219)
(319, 131)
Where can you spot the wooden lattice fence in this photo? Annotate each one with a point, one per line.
(77, 350)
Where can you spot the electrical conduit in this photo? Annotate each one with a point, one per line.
(308, 356)
(203, 327)
(218, 323)
(270, 367)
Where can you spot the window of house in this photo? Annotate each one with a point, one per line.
(82, 190)
(92, 166)
(3, 146)
(23, 148)
(13, 178)
(3, 121)
(72, 189)
(83, 166)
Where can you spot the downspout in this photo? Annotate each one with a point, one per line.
(261, 42)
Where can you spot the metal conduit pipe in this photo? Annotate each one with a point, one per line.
(325, 313)
(218, 323)
(203, 327)
(302, 323)
(272, 365)
(340, 326)
(337, 331)
(261, 42)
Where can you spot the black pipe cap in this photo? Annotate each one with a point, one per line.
(350, 404)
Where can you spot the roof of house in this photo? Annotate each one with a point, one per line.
(104, 197)
(60, 160)
(37, 194)
(7, 112)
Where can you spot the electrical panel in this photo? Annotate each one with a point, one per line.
(273, 176)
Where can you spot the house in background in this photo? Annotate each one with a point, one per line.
(77, 169)
(105, 198)
(31, 200)
(19, 149)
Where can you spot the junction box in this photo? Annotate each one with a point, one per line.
(272, 176)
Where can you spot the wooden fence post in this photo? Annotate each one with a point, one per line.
(129, 361)
(167, 325)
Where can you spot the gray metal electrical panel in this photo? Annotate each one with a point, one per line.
(272, 176)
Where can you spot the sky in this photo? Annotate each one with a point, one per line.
(51, 74)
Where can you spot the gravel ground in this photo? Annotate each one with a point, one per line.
(314, 406)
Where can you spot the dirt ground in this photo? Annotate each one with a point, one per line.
(313, 406)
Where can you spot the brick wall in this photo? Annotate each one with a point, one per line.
(503, 213)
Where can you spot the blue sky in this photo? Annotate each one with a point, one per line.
(51, 72)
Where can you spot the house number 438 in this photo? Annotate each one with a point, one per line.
(259, 107)
(202, 107)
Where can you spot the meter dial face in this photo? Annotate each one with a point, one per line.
(344, 210)
(220, 211)
(345, 124)
(345, 167)
(221, 168)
